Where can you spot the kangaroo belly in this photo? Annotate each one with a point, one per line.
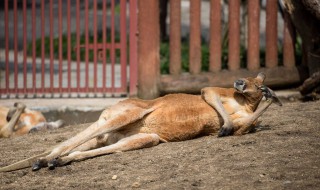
(181, 117)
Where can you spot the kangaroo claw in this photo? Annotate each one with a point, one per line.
(269, 94)
(53, 164)
(36, 166)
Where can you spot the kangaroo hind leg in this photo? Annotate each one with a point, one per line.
(112, 119)
(133, 142)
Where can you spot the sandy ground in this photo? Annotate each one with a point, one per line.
(283, 153)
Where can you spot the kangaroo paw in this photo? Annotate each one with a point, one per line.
(38, 165)
(53, 164)
(225, 131)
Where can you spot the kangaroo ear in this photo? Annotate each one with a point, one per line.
(261, 76)
(10, 113)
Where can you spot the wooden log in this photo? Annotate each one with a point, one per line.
(188, 83)
(310, 84)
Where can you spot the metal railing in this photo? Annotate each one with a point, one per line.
(68, 47)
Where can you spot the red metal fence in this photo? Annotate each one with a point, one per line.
(68, 47)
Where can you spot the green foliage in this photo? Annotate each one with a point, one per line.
(165, 57)
(298, 50)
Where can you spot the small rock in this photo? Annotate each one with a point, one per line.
(292, 99)
(287, 182)
(262, 175)
(114, 177)
(135, 185)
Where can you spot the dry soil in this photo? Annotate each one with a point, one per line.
(283, 153)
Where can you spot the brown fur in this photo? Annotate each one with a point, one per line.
(134, 123)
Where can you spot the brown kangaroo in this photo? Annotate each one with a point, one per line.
(135, 123)
(19, 120)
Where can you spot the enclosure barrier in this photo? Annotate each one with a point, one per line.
(68, 47)
(279, 74)
(77, 63)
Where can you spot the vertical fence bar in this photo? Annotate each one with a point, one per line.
(133, 48)
(253, 35)
(215, 36)
(69, 44)
(112, 50)
(288, 42)
(87, 44)
(15, 45)
(34, 79)
(95, 44)
(271, 34)
(78, 43)
(104, 41)
(123, 41)
(51, 46)
(60, 45)
(195, 37)
(175, 37)
(234, 35)
(148, 63)
(25, 47)
(6, 23)
(42, 46)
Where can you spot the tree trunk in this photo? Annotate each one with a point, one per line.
(305, 15)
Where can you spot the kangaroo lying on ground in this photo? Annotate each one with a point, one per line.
(134, 123)
(20, 120)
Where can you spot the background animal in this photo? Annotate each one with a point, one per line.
(19, 120)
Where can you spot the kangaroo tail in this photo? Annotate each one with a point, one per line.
(23, 163)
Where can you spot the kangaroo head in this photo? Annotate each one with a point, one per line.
(250, 87)
(253, 89)
(13, 110)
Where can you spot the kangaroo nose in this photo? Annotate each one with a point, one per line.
(239, 82)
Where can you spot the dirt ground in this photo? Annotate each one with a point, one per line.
(284, 153)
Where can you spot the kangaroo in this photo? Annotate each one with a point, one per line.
(19, 120)
(134, 123)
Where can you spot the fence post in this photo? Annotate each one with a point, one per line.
(133, 48)
(215, 35)
(288, 42)
(234, 35)
(253, 35)
(175, 37)
(271, 34)
(148, 49)
(195, 37)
